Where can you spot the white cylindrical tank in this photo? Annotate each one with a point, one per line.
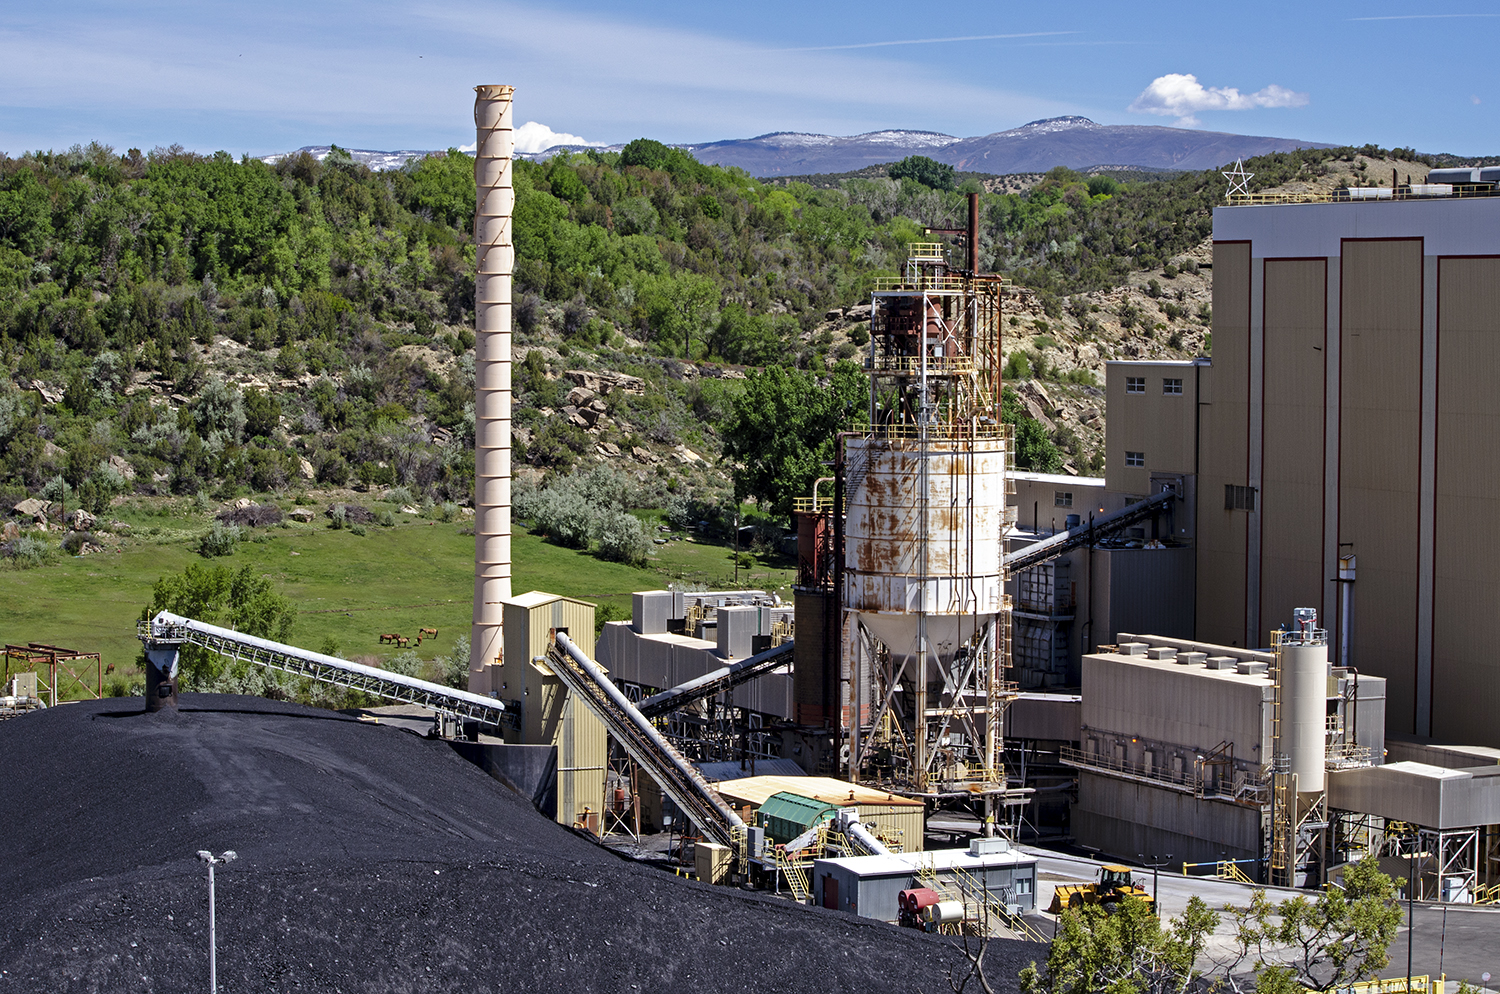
(1304, 710)
(943, 912)
(495, 259)
(960, 586)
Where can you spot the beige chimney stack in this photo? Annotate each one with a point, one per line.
(495, 260)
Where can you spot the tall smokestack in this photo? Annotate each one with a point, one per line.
(495, 259)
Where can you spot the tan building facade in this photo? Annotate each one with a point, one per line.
(1347, 411)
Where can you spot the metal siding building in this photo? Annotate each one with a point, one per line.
(547, 715)
(1347, 411)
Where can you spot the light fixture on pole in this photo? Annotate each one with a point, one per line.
(1156, 864)
(213, 959)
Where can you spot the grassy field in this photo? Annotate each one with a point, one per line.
(351, 588)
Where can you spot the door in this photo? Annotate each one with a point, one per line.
(830, 892)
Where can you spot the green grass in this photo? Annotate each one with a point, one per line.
(419, 574)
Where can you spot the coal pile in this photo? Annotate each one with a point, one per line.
(369, 860)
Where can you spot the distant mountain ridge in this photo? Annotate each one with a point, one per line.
(1072, 141)
(1075, 142)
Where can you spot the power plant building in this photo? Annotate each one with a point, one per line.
(1338, 449)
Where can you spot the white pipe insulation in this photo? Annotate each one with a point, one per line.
(495, 260)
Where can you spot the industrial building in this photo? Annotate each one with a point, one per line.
(1337, 449)
(1333, 454)
(989, 873)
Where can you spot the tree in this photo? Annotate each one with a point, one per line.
(1340, 937)
(1124, 951)
(1034, 450)
(928, 172)
(680, 303)
(782, 429)
(239, 599)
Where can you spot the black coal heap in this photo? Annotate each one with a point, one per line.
(369, 860)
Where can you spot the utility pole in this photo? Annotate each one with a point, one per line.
(213, 959)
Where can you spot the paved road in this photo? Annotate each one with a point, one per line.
(1468, 947)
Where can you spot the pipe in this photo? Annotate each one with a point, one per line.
(495, 257)
(973, 234)
(860, 834)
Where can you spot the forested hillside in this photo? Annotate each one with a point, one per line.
(176, 323)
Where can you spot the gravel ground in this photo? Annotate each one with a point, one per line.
(369, 860)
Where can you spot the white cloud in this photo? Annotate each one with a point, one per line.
(534, 137)
(1180, 95)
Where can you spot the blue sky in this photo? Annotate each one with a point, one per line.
(275, 75)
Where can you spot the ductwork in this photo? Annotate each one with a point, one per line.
(495, 259)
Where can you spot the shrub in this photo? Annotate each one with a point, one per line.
(220, 540)
(27, 551)
(622, 538)
(454, 667)
(406, 663)
(74, 542)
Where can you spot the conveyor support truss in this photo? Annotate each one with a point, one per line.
(167, 629)
(1099, 528)
(716, 681)
(587, 682)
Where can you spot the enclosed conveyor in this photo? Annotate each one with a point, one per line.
(1097, 529)
(716, 681)
(165, 632)
(588, 683)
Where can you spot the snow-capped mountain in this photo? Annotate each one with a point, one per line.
(369, 157)
(1075, 142)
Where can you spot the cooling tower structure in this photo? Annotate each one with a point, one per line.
(1299, 724)
(495, 258)
(924, 491)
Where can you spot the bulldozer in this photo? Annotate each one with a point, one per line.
(1113, 886)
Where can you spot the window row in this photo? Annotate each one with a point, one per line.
(1171, 386)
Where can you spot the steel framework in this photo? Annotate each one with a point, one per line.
(934, 725)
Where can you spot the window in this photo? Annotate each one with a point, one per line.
(1171, 387)
(1238, 498)
(1135, 384)
(1063, 498)
(1135, 458)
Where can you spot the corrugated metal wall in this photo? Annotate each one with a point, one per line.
(1466, 669)
(1222, 457)
(1178, 705)
(1379, 443)
(1291, 498)
(547, 714)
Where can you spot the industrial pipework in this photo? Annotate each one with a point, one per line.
(495, 259)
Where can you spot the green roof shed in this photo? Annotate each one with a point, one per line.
(786, 816)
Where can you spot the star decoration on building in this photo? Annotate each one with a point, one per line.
(1239, 180)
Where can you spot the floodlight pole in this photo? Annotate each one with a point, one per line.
(1157, 862)
(213, 959)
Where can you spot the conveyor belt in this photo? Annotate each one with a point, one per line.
(1100, 528)
(167, 628)
(716, 681)
(644, 744)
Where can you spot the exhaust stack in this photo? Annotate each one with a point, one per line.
(495, 258)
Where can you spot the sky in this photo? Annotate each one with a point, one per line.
(275, 75)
